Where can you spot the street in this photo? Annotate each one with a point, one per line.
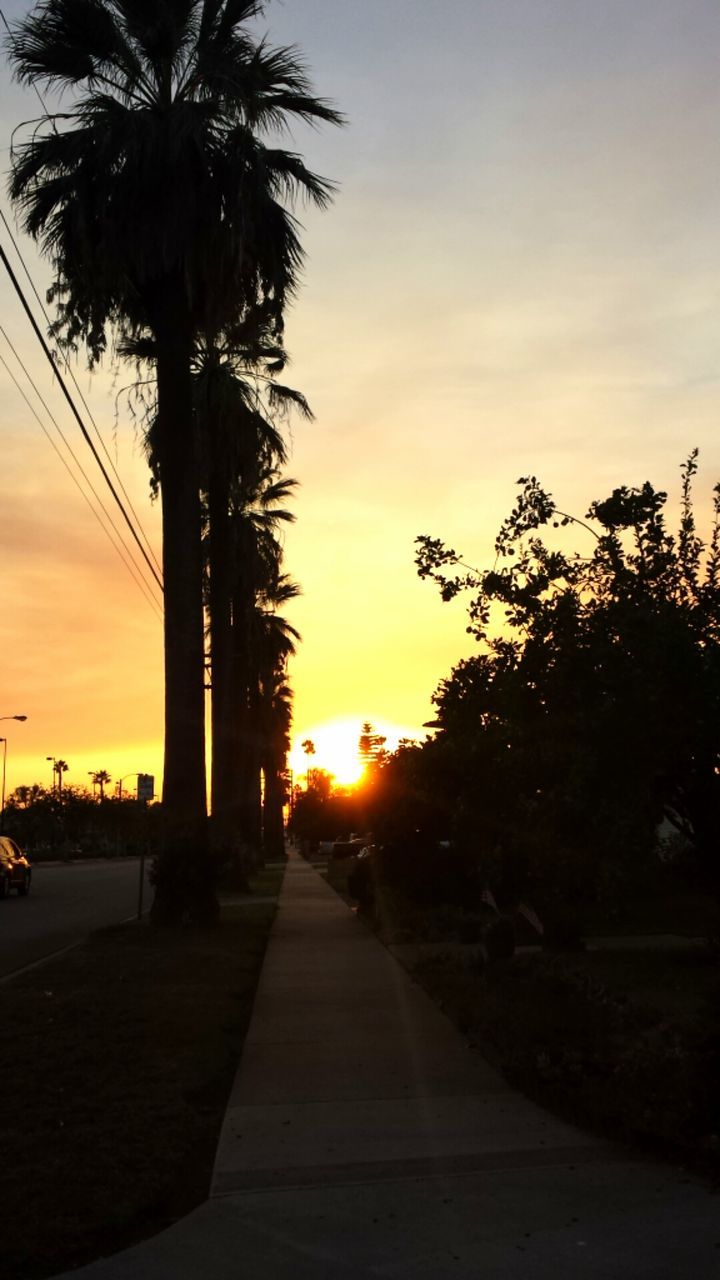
(66, 902)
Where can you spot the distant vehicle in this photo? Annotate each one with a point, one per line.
(346, 848)
(15, 869)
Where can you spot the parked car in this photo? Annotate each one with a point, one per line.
(346, 848)
(15, 869)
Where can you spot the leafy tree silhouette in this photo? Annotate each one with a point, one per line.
(593, 714)
(370, 744)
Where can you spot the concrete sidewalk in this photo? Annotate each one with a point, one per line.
(364, 1138)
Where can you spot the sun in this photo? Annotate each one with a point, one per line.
(336, 750)
(336, 747)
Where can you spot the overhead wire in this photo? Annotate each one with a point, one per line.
(79, 391)
(114, 537)
(61, 383)
(155, 569)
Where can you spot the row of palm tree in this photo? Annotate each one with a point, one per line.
(250, 641)
(163, 208)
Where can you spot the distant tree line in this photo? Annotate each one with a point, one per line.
(71, 822)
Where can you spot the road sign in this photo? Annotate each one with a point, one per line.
(145, 786)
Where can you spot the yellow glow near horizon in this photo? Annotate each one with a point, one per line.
(574, 267)
(336, 747)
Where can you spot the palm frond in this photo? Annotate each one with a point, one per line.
(276, 492)
(159, 171)
(283, 398)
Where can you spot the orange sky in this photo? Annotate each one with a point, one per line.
(520, 274)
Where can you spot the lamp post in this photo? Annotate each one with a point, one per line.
(4, 742)
(121, 780)
(2, 811)
(59, 768)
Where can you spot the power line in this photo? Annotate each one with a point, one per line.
(49, 356)
(63, 387)
(117, 545)
(78, 389)
(48, 116)
(123, 550)
(126, 552)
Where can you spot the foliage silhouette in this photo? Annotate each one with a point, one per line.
(593, 715)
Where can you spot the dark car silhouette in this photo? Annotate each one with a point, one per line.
(15, 869)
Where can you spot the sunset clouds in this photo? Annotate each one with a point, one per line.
(521, 273)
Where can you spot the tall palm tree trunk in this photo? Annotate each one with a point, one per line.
(273, 799)
(254, 775)
(221, 661)
(245, 765)
(183, 880)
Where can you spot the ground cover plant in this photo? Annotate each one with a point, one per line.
(117, 1060)
(624, 1042)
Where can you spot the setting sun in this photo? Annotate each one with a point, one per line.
(336, 747)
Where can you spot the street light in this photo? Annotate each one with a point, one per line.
(2, 811)
(4, 742)
(121, 780)
(59, 767)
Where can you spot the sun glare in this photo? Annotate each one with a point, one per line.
(336, 748)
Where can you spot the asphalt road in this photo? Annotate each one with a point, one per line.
(66, 902)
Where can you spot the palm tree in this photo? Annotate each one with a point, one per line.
(159, 205)
(60, 767)
(239, 402)
(270, 702)
(259, 637)
(308, 747)
(101, 779)
(277, 719)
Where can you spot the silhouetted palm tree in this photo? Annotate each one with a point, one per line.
(60, 767)
(239, 405)
(275, 645)
(259, 635)
(308, 747)
(159, 205)
(101, 779)
(277, 719)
